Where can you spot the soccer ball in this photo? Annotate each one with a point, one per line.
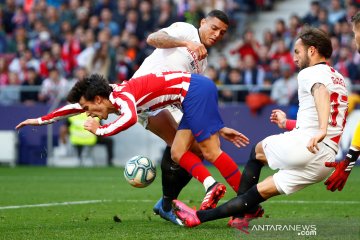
(140, 171)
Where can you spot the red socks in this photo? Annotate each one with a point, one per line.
(192, 163)
(229, 170)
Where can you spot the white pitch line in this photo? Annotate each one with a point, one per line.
(53, 204)
(312, 202)
(135, 200)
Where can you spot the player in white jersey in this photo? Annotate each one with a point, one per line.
(343, 168)
(299, 154)
(179, 47)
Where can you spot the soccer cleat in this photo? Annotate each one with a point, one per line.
(242, 223)
(170, 216)
(186, 214)
(157, 206)
(213, 195)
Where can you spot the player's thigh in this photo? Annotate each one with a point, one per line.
(163, 125)
(287, 150)
(181, 144)
(292, 180)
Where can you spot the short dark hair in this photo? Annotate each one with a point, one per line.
(356, 18)
(89, 87)
(317, 38)
(220, 15)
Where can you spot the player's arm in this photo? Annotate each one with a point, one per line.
(127, 118)
(343, 168)
(279, 117)
(60, 113)
(162, 39)
(322, 104)
(237, 138)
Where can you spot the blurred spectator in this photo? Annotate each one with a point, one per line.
(336, 12)
(9, 94)
(70, 49)
(30, 96)
(124, 70)
(229, 95)
(223, 69)
(264, 58)
(194, 13)
(147, 20)
(82, 140)
(53, 87)
(252, 75)
(268, 38)
(53, 22)
(248, 46)
(345, 65)
(165, 15)
(4, 73)
(211, 73)
(119, 15)
(311, 17)
(243, 10)
(282, 54)
(107, 22)
(28, 60)
(285, 87)
(99, 60)
(274, 72)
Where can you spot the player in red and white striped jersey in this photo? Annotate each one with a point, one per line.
(201, 120)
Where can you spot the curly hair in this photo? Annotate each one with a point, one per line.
(317, 38)
(89, 87)
(356, 18)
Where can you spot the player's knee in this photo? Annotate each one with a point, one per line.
(211, 155)
(257, 153)
(176, 154)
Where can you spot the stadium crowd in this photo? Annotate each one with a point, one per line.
(50, 44)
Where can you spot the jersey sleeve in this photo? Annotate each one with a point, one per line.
(60, 113)
(181, 30)
(308, 78)
(125, 102)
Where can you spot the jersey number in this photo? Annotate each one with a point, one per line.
(335, 100)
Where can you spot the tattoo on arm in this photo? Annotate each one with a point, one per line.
(316, 86)
(161, 39)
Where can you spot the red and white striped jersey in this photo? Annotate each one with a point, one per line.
(144, 93)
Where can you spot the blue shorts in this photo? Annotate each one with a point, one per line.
(200, 107)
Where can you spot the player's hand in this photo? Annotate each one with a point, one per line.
(198, 48)
(312, 145)
(278, 117)
(30, 121)
(91, 124)
(237, 138)
(340, 175)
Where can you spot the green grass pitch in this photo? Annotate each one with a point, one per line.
(28, 210)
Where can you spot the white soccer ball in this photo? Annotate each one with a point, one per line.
(140, 171)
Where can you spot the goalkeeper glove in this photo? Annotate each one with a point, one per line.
(340, 175)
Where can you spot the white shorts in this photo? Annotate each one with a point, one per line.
(173, 109)
(298, 168)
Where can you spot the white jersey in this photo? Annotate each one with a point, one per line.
(307, 117)
(174, 59)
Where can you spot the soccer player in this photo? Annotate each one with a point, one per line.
(299, 154)
(343, 168)
(181, 47)
(201, 121)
